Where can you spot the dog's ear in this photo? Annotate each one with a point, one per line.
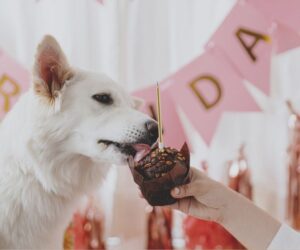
(138, 102)
(51, 69)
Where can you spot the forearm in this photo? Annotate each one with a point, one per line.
(252, 226)
(207, 199)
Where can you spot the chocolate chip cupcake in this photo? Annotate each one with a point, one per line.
(159, 172)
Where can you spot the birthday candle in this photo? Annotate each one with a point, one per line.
(159, 120)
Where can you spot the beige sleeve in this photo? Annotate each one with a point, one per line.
(285, 239)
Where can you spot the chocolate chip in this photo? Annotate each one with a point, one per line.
(159, 164)
(154, 160)
(148, 165)
(163, 168)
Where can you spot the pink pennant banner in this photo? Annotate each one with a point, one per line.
(14, 80)
(284, 11)
(214, 83)
(205, 89)
(245, 40)
(285, 38)
(173, 132)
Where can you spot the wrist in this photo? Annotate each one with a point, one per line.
(228, 207)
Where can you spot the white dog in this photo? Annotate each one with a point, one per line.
(58, 143)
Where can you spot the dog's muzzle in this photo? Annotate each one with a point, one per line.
(141, 146)
(152, 132)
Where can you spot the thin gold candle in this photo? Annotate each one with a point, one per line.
(159, 120)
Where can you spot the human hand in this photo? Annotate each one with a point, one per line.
(202, 197)
(210, 200)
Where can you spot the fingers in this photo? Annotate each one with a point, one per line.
(190, 189)
(184, 205)
(183, 191)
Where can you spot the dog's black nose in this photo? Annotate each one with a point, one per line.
(152, 131)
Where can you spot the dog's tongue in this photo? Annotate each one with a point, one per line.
(141, 151)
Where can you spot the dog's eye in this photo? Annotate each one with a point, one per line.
(103, 98)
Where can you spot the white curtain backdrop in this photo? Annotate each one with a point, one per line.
(139, 42)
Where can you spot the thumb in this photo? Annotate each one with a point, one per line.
(183, 191)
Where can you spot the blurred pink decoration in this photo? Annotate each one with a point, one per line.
(239, 178)
(14, 80)
(205, 89)
(245, 40)
(160, 228)
(293, 199)
(86, 229)
(285, 38)
(241, 48)
(174, 135)
(285, 11)
(100, 1)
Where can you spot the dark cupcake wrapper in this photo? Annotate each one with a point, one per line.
(157, 191)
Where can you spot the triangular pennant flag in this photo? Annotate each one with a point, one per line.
(244, 38)
(285, 38)
(284, 11)
(205, 89)
(14, 80)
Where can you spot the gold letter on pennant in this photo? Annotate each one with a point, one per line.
(4, 79)
(256, 36)
(202, 99)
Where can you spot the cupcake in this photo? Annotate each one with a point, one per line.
(158, 172)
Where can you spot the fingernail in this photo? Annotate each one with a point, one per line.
(176, 191)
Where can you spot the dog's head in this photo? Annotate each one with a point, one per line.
(90, 114)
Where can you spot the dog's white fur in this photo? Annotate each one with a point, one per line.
(50, 154)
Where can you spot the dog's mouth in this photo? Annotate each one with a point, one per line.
(136, 150)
